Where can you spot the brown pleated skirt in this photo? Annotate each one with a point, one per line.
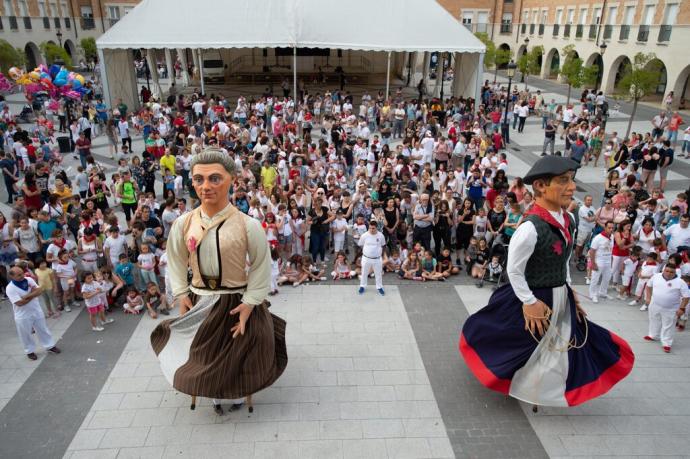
(218, 366)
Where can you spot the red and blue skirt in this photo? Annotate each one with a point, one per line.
(575, 361)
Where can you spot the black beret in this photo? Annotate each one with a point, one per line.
(550, 166)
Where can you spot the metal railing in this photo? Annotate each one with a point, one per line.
(625, 32)
(46, 23)
(541, 29)
(643, 33)
(13, 22)
(566, 31)
(665, 33)
(592, 31)
(87, 23)
(608, 31)
(556, 29)
(27, 22)
(506, 28)
(579, 30)
(531, 29)
(56, 21)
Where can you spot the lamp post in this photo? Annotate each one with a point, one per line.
(604, 114)
(505, 126)
(146, 69)
(59, 37)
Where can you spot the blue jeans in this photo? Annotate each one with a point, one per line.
(317, 245)
(82, 159)
(478, 202)
(148, 276)
(686, 146)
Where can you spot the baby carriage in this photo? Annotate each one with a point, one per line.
(496, 273)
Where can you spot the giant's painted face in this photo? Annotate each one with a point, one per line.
(211, 183)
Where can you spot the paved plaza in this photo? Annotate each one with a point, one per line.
(368, 376)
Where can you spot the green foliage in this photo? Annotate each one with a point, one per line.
(10, 57)
(574, 73)
(88, 44)
(53, 52)
(642, 77)
(528, 63)
(503, 56)
(490, 54)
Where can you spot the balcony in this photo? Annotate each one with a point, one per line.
(46, 23)
(541, 29)
(87, 23)
(523, 28)
(566, 31)
(556, 29)
(27, 22)
(664, 33)
(531, 28)
(624, 33)
(643, 33)
(13, 22)
(113, 21)
(608, 31)
(579, 30)
(56, 21)
(506, 28)
(592, 32)
(68, 23)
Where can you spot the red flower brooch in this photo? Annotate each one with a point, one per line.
(557, 248)
(191, 244)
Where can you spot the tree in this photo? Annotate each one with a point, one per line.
(53, 52)
(10, 57)
(574, 73)
(503, 56)
(528, 63)
(490, 54)
(639, 79)
(88, 44)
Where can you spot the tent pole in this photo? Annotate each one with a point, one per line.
(388, 76)
(294, 75)
(200, 56)
(479, 83)
(104, 79)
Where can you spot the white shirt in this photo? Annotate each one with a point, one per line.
(521, 248)
(15, 294)
(372, 244)
(123, 127)
(667, 294)
(523, 111)
(629, 267)
(585, 226)
(603, 247)
(91, 288)
(116, 247)
(677, 237)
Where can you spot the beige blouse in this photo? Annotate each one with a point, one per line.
(258, 259)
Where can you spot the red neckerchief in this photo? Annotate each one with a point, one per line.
(60, 244)
(90, 238)
(607, 236)
(545, 215)
(647, 232)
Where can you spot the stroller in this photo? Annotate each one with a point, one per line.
(497, 276)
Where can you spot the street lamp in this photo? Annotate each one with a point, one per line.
(59, 37)
(526, 41)
(146, 69)
(505, 127)
(602, 48)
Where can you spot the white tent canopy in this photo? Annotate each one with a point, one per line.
(378, 25)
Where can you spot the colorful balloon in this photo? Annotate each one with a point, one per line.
(15, 73)
(54, 69)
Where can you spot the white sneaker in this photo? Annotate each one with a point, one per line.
(587, 281)
(633, 302)
(109, 320)
(595, 299)
(644, 307)
(97, 328)
(606, 297)
(620, 297)
(68, 309)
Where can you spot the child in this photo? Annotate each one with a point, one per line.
(628, 270)
(358, 229)
(480, 261)
(310, 269)
(429, 271)
(47, 281)
(113, 186)
(133, 302)
(66, 271)
(445, 264)
(341, 268)
(92, 292)
(125, 270)
(146, 262)
(495, 268)
(275, 270)
(168, 181)
(646, 271)
(292, 272)
(411, 268)
(394, 262)
(471, 253)
(155, 301)
(480, 222)
(178, 184)
(339, 229)
(162, 256)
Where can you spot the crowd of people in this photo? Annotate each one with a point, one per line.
(320, 173)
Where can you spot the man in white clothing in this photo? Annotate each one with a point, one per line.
(28, 315)
(667, 296)
(600, 254)
(372, 243)
(679, 235)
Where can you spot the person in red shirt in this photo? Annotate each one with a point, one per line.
(495, 119)
(497, 139)
(673, 125)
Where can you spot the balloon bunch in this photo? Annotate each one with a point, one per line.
(57, 81)
(5, 84)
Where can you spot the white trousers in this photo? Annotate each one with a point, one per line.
(616, 264)
(599, 285)
(367, 265)
(662, 323)
(36, 321)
